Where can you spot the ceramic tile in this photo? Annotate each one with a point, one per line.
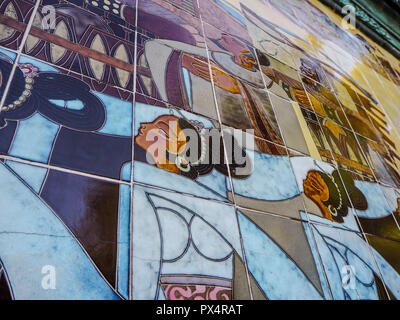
(350, 201)
(183, 149)
(292, 125)
(224, 16)
(244, 103)
(270, 41)
(98, 49)
(179, 151)
(353, 177)
(337, 144)
(68, 126)
(260, 190)
(280, 258)
(7, 60)
(325, 102)
(170, 20)
(117, 14)
(329, 194)
(381, 160)
(176, 73)
(185, 248)
(14, 17)
(381, 218)
(386, 252)
(280, 79)
(79, 228)
(353, 272)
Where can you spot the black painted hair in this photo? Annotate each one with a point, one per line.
(263, 58)
(337, 194)
(48, 86)
(197, 170)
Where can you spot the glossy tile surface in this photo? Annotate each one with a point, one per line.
(208, 150)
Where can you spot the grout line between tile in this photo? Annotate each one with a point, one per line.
(225, 153)
(133, 156)
(51, 167)
(19, 52)
(352, 205)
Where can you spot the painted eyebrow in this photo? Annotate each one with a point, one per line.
(165, 132)
(169, 129)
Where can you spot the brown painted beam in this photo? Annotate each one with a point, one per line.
(36, 32)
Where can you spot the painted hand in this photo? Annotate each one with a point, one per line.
(317, 190)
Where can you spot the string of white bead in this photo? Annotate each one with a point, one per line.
(203, 150)
(25, 94)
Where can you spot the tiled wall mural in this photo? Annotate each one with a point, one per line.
(87, 214)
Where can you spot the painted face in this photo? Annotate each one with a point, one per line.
(165, 133)
(398, 206)
(317, 190)
(241, 53)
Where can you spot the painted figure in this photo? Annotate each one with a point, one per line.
(251, 153)
(66, 111)
(327, 189)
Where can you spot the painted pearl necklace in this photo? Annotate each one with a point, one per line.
(25, 94)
